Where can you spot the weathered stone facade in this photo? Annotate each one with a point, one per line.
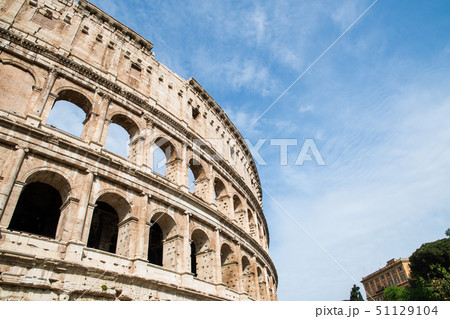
(78, 222)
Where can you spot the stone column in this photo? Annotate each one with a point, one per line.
(186, 252)
(43, 106)
(256, 279)
(184, 169)
(266, 284)
(99, 123)
(7, 188)
(127, 235)
(218, 263)
(142, 229)
(79, 232)
(239, 286)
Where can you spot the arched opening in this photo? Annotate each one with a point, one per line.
(251, 224)
(261, 284)
(219, 189)
(237, 204)
(221, 198)
(202, 257)
(261, 231)
(248, 277)
(155, 247)
(121, 132)
(69, 112)
(118, 140)
(228, 266)
(239, 212)
(271, 288)
(195, 174)
(164, 155)
(104, 234)
(159, 161)
(104, 229)
(162, 242)
(37, 210)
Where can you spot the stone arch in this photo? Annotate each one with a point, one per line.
(110, 223)
(40, 207)
(261, 283)
(16, 83)
(251, 223)
(73, 95)
(202, 257)
(228, 265)
(169, 165)
(126, 122)
(197, 180)
(126, 132)
(239, 211)
(248, 275)
(163, 242)
(70, 111)
(221, 197)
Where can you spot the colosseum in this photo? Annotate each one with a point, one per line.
(79, 222)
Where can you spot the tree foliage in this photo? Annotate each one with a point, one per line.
(395, 293)
(355, 294)
(434, 254)
(430, 274)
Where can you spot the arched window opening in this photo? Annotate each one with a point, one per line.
(247, 277)
(118, 140)
(229, 267)
(111, 211)
(164, 155)
(155, 245)
(202, 257)
(239, 212)
(159, 161)
(195, 174)
(221, 199)
(104, 229)
(67, 117)
(237, 204)
(251, 223)
(37, 210)
(69, 112)
(261, 284)
(261, 231)
(162, 242)
(121, 131)
(219, 189)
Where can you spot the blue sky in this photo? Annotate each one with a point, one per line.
(377, 105)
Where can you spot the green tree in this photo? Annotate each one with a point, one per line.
(430, 258)
(355, 294)
(395, 293)
(447, 232)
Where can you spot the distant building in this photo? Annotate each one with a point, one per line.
(396, 272)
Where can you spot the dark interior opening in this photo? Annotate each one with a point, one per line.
(103, 232)
(193, 259)
(38, 210)
(155, 245)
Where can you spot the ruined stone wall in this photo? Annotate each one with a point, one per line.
(62, 50)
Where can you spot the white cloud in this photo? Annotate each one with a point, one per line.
(306, 108)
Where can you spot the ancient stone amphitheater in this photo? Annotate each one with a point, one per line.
(78, 222)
